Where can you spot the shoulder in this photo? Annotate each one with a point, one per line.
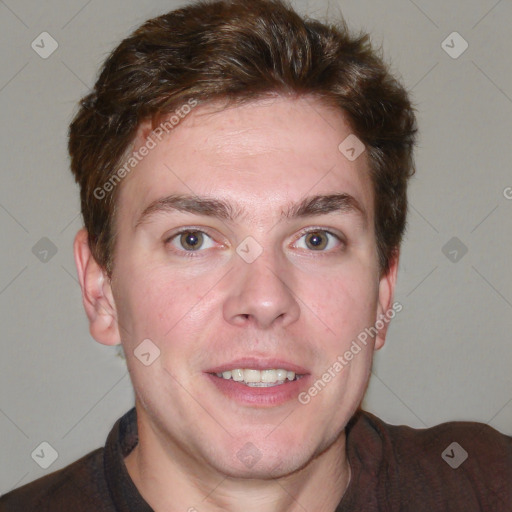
(76, 487)
(453, 443)
(454, 462)
(476, 435)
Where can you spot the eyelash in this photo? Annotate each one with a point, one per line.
(339, 238)
(195, 254)
(184, 252)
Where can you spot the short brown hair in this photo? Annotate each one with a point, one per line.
(241, 50)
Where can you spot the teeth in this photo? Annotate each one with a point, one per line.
(238, 375)
(252, 376)
(281, 374)
(259, 378)
(268, 375)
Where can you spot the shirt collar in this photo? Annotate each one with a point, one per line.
(120, 442)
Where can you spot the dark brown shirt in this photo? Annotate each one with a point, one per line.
(394, 468)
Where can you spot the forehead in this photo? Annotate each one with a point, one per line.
(259, 156)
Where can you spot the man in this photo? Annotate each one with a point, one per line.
(243, 179)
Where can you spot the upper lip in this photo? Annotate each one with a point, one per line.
(258, 363)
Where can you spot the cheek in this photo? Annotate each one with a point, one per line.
(156, 303)
(346, 300)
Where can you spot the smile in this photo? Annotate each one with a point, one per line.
(259, 378)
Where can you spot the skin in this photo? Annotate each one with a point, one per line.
(294, 302)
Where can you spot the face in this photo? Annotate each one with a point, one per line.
(246, 241)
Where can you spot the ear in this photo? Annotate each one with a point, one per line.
(97, 294)
(386, 293)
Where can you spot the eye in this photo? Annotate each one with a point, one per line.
(190, 240)
(319, 240)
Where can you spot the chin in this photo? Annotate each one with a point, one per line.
(262, 459)
(274, 467)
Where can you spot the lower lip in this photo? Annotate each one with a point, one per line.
(264, 397)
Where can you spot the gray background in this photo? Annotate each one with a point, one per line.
(449, 351)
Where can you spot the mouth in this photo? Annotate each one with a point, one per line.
(259, 378)
(258, 382)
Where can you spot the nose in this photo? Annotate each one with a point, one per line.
(259, 294)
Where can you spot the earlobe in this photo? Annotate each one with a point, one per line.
(97, 294)
(387, 284)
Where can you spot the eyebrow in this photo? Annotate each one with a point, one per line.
(308, 207)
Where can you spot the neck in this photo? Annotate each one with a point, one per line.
(180, 483)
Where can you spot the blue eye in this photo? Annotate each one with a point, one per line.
(319, 240)
(190, 240)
